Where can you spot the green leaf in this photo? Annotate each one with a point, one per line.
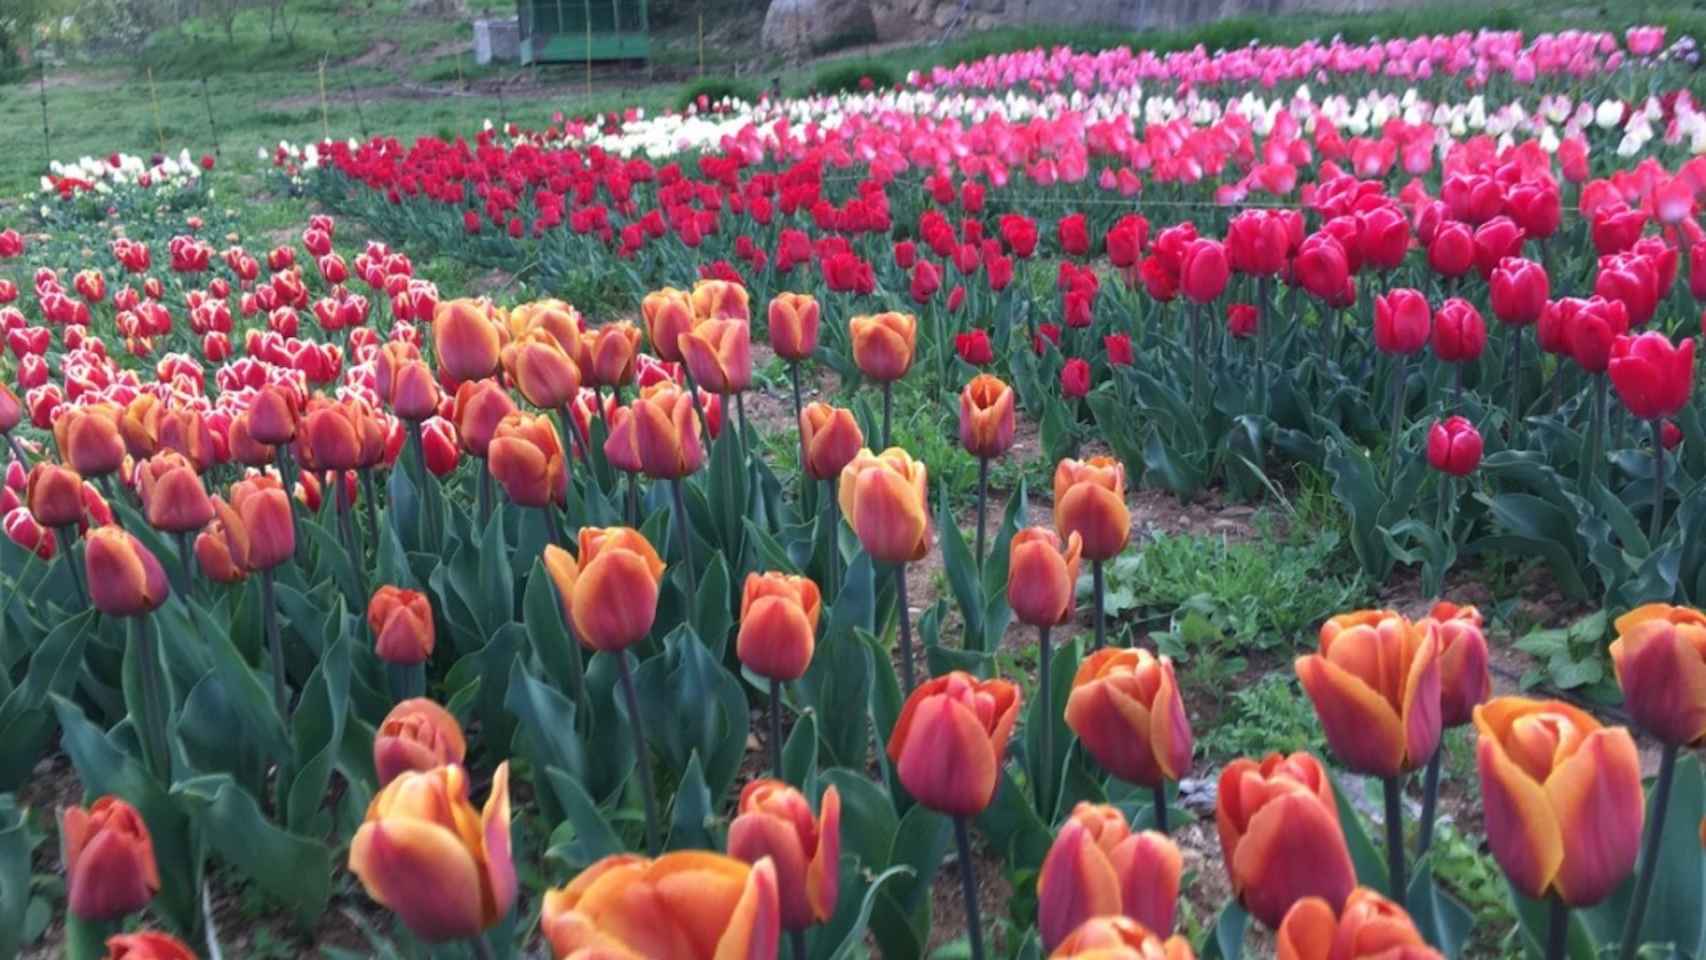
(868, 820)
(694, 704)
(585, 836)
(852, 941)
(1063, 663)
(295, 870)
(691, 811)
(1368, 859)
(26, 726)
(331, 553)
(317, 728)
(15, 849)
(1226, 939)
(963, 575)
(1442, 920)
(901, 920)
(713, 618)
(552, 644)
(799, 753)
(545, 733)
(837, 684)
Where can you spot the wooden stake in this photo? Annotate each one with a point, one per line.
(701, 37)
(589, 50)
(212, 127)
(46, 138)
(159, 127)
(325, 117)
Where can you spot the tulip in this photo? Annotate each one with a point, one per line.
(773, 820)
(1120, 938)
(793, 319)
(720, 300)
(561, 320)
(480, 406)
(467, 339)
(883, 346)
(401, 621)
(1257, 242)
(1279, 833)
(986, 417)
(428, 856)
(1401, 321)
(1089, 500)
(1459, 333)
(778, 629)
(1098, 867)
(668, 314)
(171, 493)
(1075, 378)
(264, 511)
(1653, 378)
(541, 370)
(609, 353)
(1562, 797)
(1369, 927)
(1519, 289)
(108, 857)
(417, 735)
(1495, 240)
(883, 497)
(1042, 576)
(1203, 271)
(663, 432)
(688, 904)
(1454, 446)
(1464, 680)
(273, 415)
(125, 579)
(222, 550)
(54, 495)
(718, 354)
(186, 431)
(1126, 710)
(147, 945)
(10, 410)
(609, 592)
(88, 438)
(1451, 252)
(527, 460)
(831, 439)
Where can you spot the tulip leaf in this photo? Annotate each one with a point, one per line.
(868, 819)
(609, 738)
(26, 726)
(545, 731)
(251, 698)
(963, 573)
(15, 847)
(585, 836)
(852, 928)
(693, 703)
(317, 728)
(997, 615)
(885, 706)
(770, 554)
(837, 685)
(497, 582)
(493, 662)
(799, 753)
(552, 643)
(713, 619)
(1442, 920)
(901, 920)
(1369, 860)
(294, 869)
(691, 811)
(1673, 913)
(1011, 824)
(1533, 917)
(1356, 485)
(331, 554)
(1226, 937)
(212, 731)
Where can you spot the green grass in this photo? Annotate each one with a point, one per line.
(1269, 715)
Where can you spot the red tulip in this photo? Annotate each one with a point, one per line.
(1203, 271)
(1402, 320)
(1242, 320)
(1074, 234)
(974, 347)
(1464, 682)
(1279, 833)
(1454, 446)
(949, 741)
(1321, 267)
(1459, 332)
(1495, 240)
(1385, 237)
(1519, 291)
(1615, 228)
(1075, 378)
(1451, 252)
(1590, 327)
(1257, 243)
(1651, 375)
(1536, 207)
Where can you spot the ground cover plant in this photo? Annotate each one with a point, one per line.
(893, 520)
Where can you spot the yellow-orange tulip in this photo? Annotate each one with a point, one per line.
(668, 314)
(1042, 578)
(1097, 866)
(778, 625)
(1562, 798)
(466, 339)
(147, 945)
(831, 438)
(171, 493)
(883, 344)
(720, 300)
(140, 425)
(1375, 685)
(340, 435)
(662, 431)
(986, 416)
(610, 352)
(222, 550)
(1370, 927)
(1126, 709)
(884, 500)
(544, 373)
(793, 319)
(245, 449)
(687, 905)
(1464, 680)
(416, 735)
(1120, 938)
(54, 495)
(1660, 657)
(11, 411)
(88, 438)
(428, 856)
(401, 622)
(719, 355)
(526, 458)
(264, 509)
(1279, 834)
(559, 319)
(1089, 499)
(124, 577)
(273, 415)
(774, 820)
(108, 857)
(949, 741)
(480, 405)
(609, 592)
(185, 430)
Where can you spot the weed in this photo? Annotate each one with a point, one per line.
(1474, 877)
(853, 75)
(713, 89)
(1270, 714)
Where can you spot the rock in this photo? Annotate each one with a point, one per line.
(804, 26)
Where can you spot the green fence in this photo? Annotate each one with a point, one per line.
(580, 30)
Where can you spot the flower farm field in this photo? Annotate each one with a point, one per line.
(1235, 493)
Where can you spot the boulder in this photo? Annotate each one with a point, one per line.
(805, 26)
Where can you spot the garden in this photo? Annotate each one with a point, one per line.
(1077, 503)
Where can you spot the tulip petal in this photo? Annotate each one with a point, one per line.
(954, 771)
(1149, 866)
(1522, 829)
(499, 864)
(754, 836)
(1170, 729)
(754, 927)
(1421, 706)
(1292, 849)
(1663, 679)
(1361, 727)
(823, 877)
(422, 873)
(1076, 883)
(1596, 797)
(1307, 931)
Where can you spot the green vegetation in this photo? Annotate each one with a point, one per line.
(714, 89)
(854, 75)
(1269, 715)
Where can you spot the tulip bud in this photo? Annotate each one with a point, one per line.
(1120, 938)
(1402, 321)
(883, 344)
(416, 735)
(1370, 926)
(54, 495)
(264, 510)
(659, 433)
(831, 439)
(1459, 332)
(1279, 833)
(171, 493)
(1519, 289)
(1464, 681)
(273, 415)
(668, 314)
(1097, 867)
(683, 904)
(1652, 377)
(609, 593)
(222, 550)
(1089, 500)
(401, 621)
(427, 855)
(186, 431)
(147, 946)
(883, 498)
(949, 741)
(1375, 685)
(778, 625)
(1126, 709)
(527, 459)
(1562, 796)
(561, 320)
(11, 412)
(1660, 657)
(480, 405)
(1454, 446)
(1203, 270)
(109, 860)
(775, 821)
(1042, 578)
(610, 351)
(545, 374)
(986, 416)
(89, 440)
(719, 355)
(793, 319)
(466, 339)
(124, 577)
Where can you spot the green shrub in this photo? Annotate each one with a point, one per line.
(846, 76)
(714, 89)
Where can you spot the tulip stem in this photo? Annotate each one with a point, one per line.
(372, 504)
(275, 644)
(642, 760)
(1098, 591)
(1557, 928)
(1400, 370)
(1196, 365)
(745, 430)
(1596, 430)
(417, 454)
(1650, 856)
(553, 526)
(834, 532)
(1161, 806)
(798, 939)
(1656, 524)
(485, 496)
(905, 628)
(155, 749)
(686, 538)
(87, 939)
(1516, 378)
(776, 727)
(408, 680)
(888, 405)
(968, 882)
(982, 507)
(1395, 837)
(68, 547)
(482, 949)
(1045, 776)
(186, 556)
(1430, 801)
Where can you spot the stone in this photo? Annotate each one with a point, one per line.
(805, 26)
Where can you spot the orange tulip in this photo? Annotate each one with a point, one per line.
(831, 438)
(619, 447)
(526, 458)
(1120, 938)
(273, 415)
(719, 355)
(1375, 685)
(544, 373)
(1089, 499)
(125, 579)
(416, 735)
(264, 510)
(986, 416)
(1042, 578)
(429, 857)
(222, 550)
(11, 411)
(1370, 927)
(466, 339)
(171, 492)
(883, 344)
(480, 405)
(240, 440)
(88, 438)
(720, 300)
(1660, 658)
(883, 498)
(54, 495)
(109, 860)
(687, 905)
(1464, 681)
(185, 430)
(609, 593)
(1279, 833)
(332, 434)
(401, 621)
(414, 394)
(793, 319)
(559, 319)
(662, 432)
(391, 357)
(140, 425)
(1097, 867)
(775, 821)
(1126, 710)
(147, 946)
(1562, 798)
(610, 351)
(668, 314)
(949, 741)
(778, 625)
